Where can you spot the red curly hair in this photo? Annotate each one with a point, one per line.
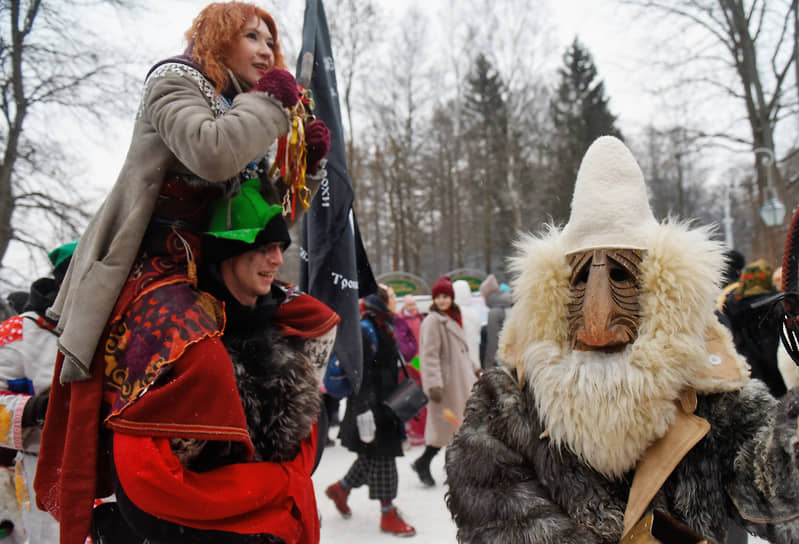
(217, 29)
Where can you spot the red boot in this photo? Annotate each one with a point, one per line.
(392, 522)
(338, 494)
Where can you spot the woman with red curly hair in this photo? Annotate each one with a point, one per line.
(208, 123)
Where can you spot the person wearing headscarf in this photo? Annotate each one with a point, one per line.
(756, 328)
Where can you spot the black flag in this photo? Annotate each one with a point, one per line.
(333, 263)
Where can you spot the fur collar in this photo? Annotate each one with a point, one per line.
(279, 391)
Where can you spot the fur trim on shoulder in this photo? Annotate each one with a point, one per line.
(680, 285)
(541, 291)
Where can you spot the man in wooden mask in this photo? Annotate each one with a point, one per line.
(618, 392)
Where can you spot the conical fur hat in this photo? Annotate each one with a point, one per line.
(609, 207)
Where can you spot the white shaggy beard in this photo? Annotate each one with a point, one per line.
(607, 408)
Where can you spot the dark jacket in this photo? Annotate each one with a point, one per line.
(274, 373)
(499, 303)
(380, 378)
(756, 333)
(508, 483)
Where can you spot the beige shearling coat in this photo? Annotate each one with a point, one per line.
(445, 363)
(181, 127)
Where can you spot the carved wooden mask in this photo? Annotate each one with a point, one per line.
(604, 306)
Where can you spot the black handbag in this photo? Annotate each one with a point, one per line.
(407, 399)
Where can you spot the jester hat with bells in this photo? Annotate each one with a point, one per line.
(613, 325)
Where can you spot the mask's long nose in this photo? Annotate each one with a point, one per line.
(599, 310)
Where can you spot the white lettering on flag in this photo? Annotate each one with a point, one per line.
(343, 282)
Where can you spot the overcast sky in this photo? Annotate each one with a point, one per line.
(156, 32)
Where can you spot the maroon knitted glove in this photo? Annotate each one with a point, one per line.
(280, 84)
(317, 143)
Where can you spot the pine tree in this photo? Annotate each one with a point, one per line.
(580, 114)
(485, 128)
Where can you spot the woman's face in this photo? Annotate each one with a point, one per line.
(392, 300)
(252, 55)
(443, 302)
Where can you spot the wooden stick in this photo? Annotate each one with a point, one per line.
(306, 69)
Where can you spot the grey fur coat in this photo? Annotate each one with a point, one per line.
(508, 484)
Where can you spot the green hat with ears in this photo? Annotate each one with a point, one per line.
(244, 222)
(62, 253)
(243, 216)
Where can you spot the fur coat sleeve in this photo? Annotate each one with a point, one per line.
(495, 492)
(508, 484)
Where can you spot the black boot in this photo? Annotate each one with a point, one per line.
(422, 467)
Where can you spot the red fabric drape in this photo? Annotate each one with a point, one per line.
(246, 498)
(72, 416)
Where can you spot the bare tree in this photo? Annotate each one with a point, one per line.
(52, 74)
(398, 115)
(354, 27)
(743, 50)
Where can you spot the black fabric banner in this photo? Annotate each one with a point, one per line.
(333, 263)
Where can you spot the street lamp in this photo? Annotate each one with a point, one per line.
(772, 212)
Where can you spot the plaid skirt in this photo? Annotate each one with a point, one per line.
(379, 473)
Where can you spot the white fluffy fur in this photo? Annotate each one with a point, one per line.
(609, 408)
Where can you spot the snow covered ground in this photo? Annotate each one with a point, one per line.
(421, 506)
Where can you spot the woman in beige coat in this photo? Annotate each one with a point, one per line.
(208, 120)
(447, 374)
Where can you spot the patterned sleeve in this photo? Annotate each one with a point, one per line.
(181, 106)
(15, 387)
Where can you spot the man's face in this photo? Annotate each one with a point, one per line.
(604, 306)
(250, 275)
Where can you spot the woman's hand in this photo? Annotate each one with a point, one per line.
(317, 142)
(280, 84)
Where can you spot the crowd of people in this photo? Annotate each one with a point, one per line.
(162, 384)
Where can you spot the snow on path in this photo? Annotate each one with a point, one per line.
(422, 507)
